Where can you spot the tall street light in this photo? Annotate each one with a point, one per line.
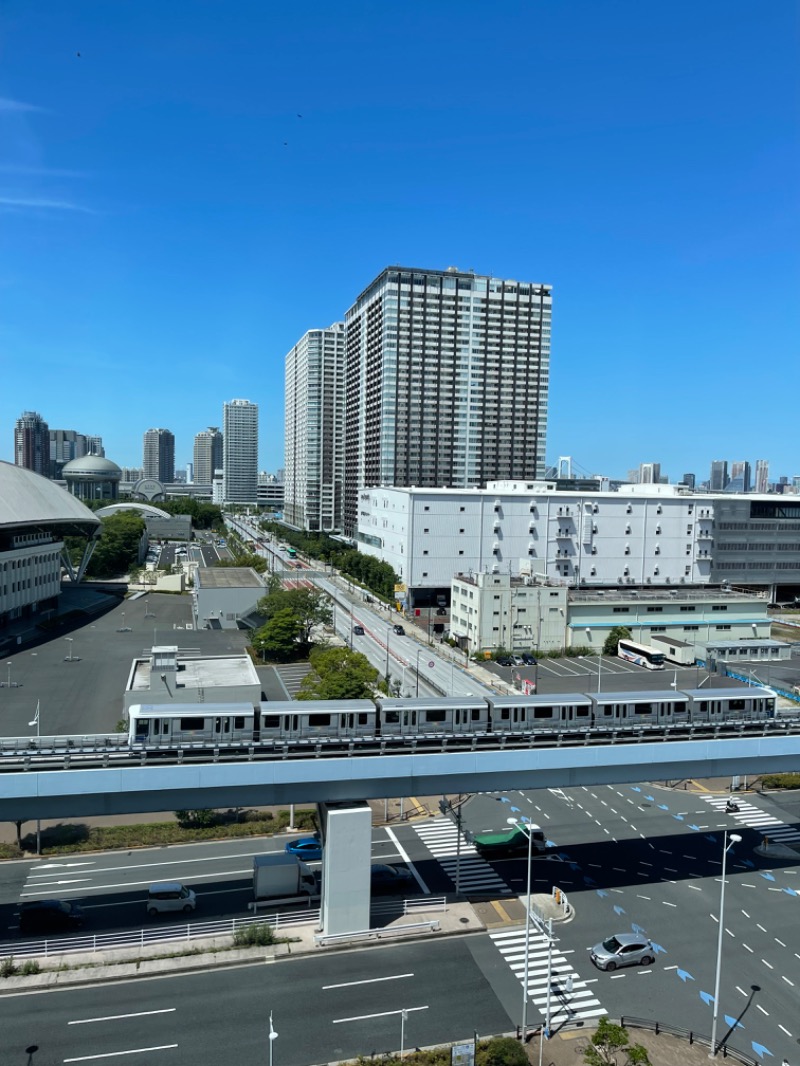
(419, 652)
(734, 839)
(273, 1036)
(388, 635)
(33, 723)
(516, 821)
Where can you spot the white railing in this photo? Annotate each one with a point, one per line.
(152, 935)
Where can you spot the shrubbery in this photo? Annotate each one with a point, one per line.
(249, 936)
(780, 781)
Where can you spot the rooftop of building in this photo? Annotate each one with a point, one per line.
(684, 594)
(213, 672)
(533, 487)
(30, 500)
(228, 577)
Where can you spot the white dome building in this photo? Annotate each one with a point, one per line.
(92, 478)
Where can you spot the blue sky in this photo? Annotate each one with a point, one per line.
(169, 226)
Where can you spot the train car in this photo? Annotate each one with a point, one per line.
(316, 719)
(453, 715)
(156, 724)
(731, 704)
(639, 708)
(530, 714)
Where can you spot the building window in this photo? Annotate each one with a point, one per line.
(651, 610)
(622, 610)
(685, 608)
(690, 629)
(719, 607)
(722, 627)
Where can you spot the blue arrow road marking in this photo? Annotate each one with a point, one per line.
(767, 877)
(663, 807)
(658, 949)
(635, 788)
(617, 908)
(790, 892)
(711, 837)
(504, 799)
(695, 827)
(746, 862)
(707, 998)
(684, 975)
(678, 817)
(761, 1050)
(589, 880)
(601, 892)
(650, 799)
(637, 928)
(732, 1022)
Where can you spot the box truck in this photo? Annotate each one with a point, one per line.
(281, 876)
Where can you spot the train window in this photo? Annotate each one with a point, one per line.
(608, 711)
(436, 716)
(319, 719)
(391, 717)
(476, 714)
(701, 706)
(679, 708)
(143, 727)
(286, 723)
(238, 721)
(736, 705)
(643, 708)
(581, 712)
(542, 712)
(504, 714)
(363, 718)
(192, 725)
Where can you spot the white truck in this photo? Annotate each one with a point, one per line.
(277, 875)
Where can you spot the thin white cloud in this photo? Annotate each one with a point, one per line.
(35, 203)
(45, 172)
(6, 104)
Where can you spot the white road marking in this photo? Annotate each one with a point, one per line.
(118, 1017)
(383, 1014)
(113, 1054)
(668, 904)
(423, 887)
(695, 887)
(785, 1030)
(761, 927)
(747, 948)
(762, 1009)
(788, 982)
(768, 964)
(779, 942)
(368, 981)
(643, 897)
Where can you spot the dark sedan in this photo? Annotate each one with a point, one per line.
(385, 878)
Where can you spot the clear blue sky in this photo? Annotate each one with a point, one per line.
(169, 226)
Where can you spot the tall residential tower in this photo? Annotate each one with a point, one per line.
(447, 377)
(207, 455)
(159, 455)
(240, 452)
(314, 423)
(32, 443)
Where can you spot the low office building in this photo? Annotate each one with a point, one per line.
(224, 597)
(494, 611)
(168, 675)
(744, 651)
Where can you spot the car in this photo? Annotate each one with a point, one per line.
(385, 878)
(399, 631)
(504, 662)
(529, 659)
(166, 897)
(623, 949)
(307, 848)
(49, 916)
(358, 631)
(517, 660)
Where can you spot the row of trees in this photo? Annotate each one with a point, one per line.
(289, 616)
(373, 574)
(117, 548)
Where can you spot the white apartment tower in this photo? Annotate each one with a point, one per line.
(207, 455)
(447, 376)
(314, 429)
(762, 475)
(159, 455)
(240, 452)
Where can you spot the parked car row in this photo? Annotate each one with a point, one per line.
(517, 660)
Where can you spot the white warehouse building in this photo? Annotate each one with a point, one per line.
(641, 535)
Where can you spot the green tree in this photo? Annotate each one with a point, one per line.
(309, 606)
(279, 638)
(118, 547)
(502, 1051)
(610, 1043)
(245, 558)
(338, 674)
(617, 634)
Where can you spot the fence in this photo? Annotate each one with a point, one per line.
(148, 937)
(723, 1050)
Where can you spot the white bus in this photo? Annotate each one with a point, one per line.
(641, 654)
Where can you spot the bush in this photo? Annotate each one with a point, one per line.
(780, 781)
(504, 1051)
(247, 936)
(8, 967)
(30, 966)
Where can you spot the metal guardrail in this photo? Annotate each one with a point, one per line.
(389, 930)
(167, 934)
(723, 1050)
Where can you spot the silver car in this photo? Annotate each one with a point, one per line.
(624, 949)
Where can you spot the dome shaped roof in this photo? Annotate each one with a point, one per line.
(28, 499)
(92, 468)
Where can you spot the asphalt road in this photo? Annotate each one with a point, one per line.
(324, 1008)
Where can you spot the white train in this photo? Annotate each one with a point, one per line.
(163, 725)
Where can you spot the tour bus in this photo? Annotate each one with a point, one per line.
(641, 654)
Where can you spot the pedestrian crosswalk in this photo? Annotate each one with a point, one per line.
(474, 875)
(754, 818)
(570, 997)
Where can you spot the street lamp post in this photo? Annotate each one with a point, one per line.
(515, 821)
(388, 634)
(419, 652)
(9, 673)
(403, 1020)
(69, 658)
(273, 1036)
(36, 722)
(734, 839)
(446, 807)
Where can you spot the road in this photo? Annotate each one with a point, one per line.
(324, 1008)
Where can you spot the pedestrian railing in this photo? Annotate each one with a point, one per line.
(376, 934)
(151, 936)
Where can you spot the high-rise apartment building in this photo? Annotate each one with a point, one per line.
(447, 378)
(240, 452)
(94, 446)
(741, 475)
(32, 443)
(65, 445)
(719, 475)
(314, 430)
(649, 473)
(762, 475)
(688, 480)
(159, 455)
(207, 455)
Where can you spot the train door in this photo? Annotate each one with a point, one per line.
(409, 722)
(222, 727)
(290, 727)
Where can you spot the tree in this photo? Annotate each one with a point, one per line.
(617, 634)
(609, 1042)
(338, 674)
(118, 547)
(278, 639)
(309, 606)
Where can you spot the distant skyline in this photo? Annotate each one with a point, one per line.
(185, 190)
